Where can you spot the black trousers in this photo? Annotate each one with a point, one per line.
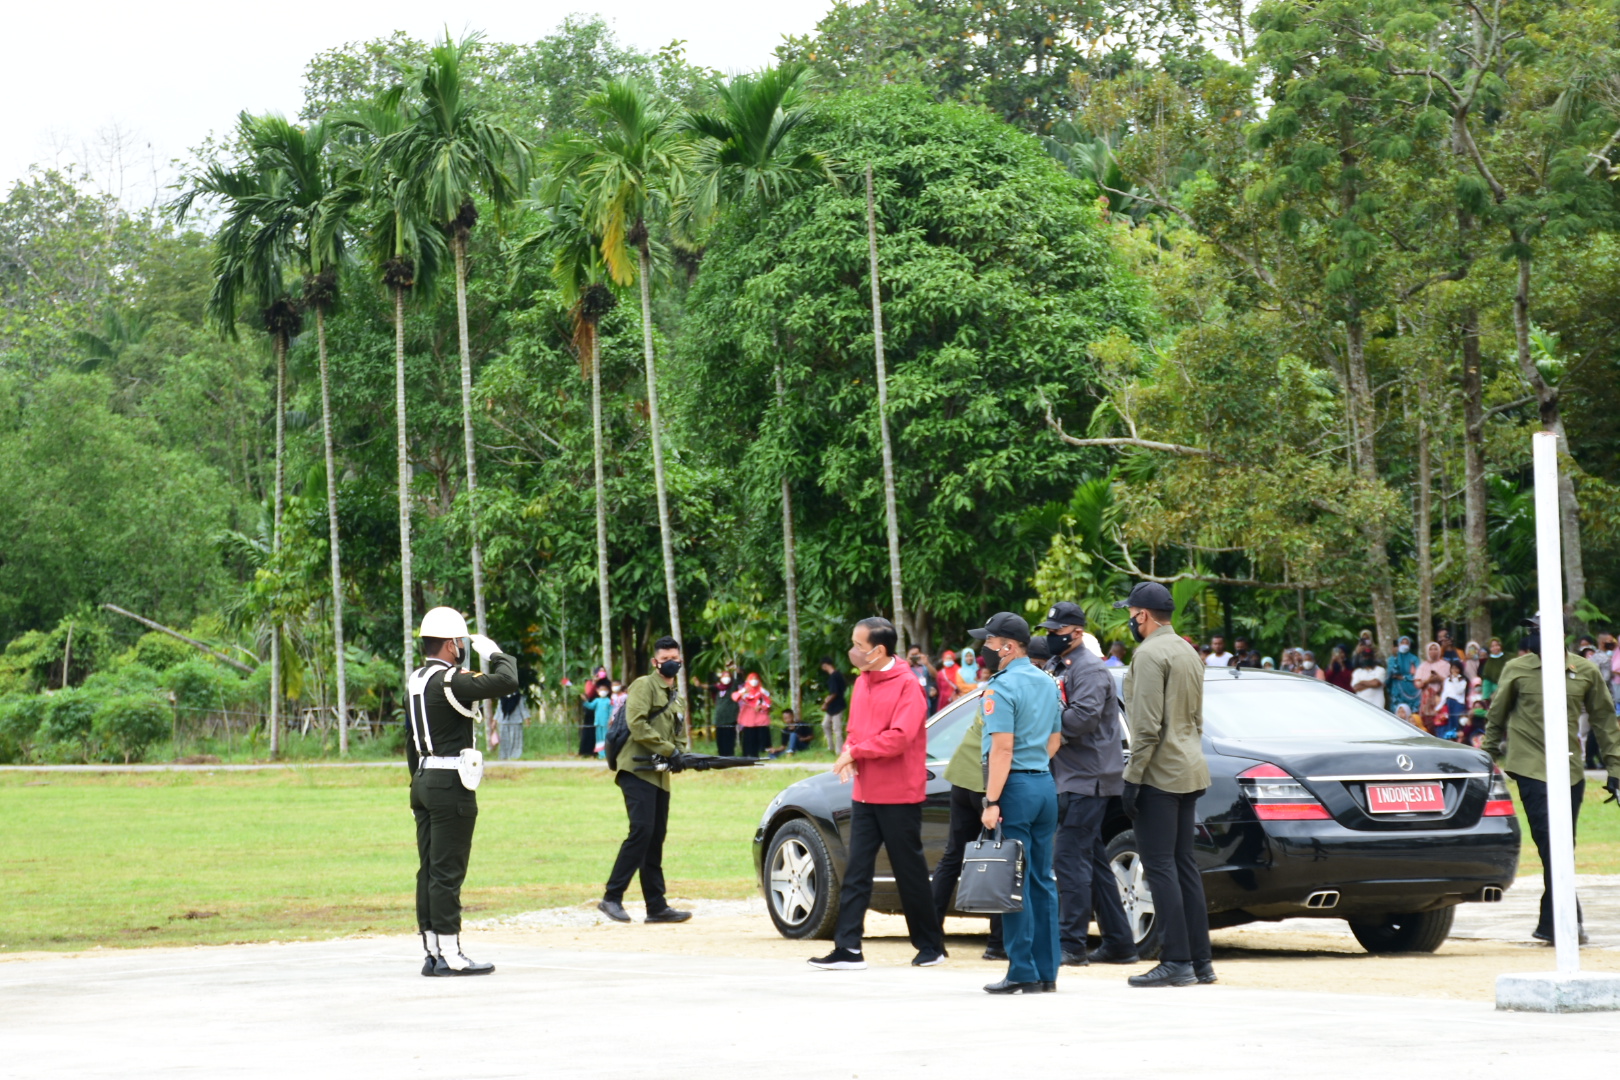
(965, 810)
(756, 741)
(445, 815)
(725, 738)
(1164, 837)
(898, 830)
(1085, 880)
(647, 806)
(587, 736)
(1533, 798)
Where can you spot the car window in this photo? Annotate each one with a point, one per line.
(946, 727)
(1282, 708)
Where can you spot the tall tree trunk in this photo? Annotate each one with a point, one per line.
(401, 448)
(275, 538)
(883, 420)
(664, 533)
(1425, 527)
(1476, 548)
(1363, 423)
(1569, 511)
(460, 245)
(332, 536)
(601, 505)
(790, 578)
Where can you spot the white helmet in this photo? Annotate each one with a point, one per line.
(443, 622)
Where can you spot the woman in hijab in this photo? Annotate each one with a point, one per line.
(513, 711)
(1339, 669)
(601, 706)
(1430, 677)
(753, 716)
(967, 676)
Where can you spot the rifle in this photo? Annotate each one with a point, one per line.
(699, 762)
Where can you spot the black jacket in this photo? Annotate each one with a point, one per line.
(1091, 760)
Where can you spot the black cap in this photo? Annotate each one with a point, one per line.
(1534, 621)
(1064, 613)
(1004, 624)
(1039, 650)
(1150, 595)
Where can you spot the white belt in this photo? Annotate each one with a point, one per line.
(441, 763)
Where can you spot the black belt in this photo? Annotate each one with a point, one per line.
(1029, 772)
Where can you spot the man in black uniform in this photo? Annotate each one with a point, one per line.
(445, 771)
(1088, 768)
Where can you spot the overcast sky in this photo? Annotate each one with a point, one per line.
(164, 75)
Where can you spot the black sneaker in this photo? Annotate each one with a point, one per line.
(928, 958)
(670, 914)
(1075, 959)
(1204, 972)
(613, 910)
(1113, 954)
(1049, 986)
(840, 960)
(1168, 973)
(994, 952)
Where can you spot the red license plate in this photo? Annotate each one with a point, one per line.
(1406, 798)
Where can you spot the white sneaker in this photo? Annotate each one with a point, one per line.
(840, 960)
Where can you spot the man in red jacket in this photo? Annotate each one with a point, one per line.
(886, 755)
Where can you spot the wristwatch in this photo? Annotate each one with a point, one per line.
(988, 803)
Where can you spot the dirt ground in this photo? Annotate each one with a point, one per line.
(1258, 957)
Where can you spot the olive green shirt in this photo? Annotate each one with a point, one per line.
(1516, 717)
(1164, 709)
(966, 767)
(659, 735)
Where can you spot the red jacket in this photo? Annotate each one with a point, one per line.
(888, 737)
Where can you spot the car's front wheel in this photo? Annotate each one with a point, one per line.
(1422, 931)
(1131, 880)
(800, 887)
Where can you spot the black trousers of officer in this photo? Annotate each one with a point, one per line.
(1165, 826)
(725, 738)
(445, 814)
(647, 806)
(897, 828)
(1085, 880)
(1533, 798)
(965, 825)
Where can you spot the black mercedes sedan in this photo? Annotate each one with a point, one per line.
(1319, 805)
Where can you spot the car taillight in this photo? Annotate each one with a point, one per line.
(1277, 796)
(1498, 803)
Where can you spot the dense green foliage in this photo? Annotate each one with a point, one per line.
(1267, 312)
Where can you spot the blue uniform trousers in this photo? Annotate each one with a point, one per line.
(1029, 813)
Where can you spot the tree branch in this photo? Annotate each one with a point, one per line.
(1145, 444)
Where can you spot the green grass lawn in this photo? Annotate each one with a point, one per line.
(166, 858)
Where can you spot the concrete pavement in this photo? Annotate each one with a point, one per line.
(359, 1008)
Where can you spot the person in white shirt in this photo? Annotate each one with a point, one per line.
(1218, 656)
(1454, 700)
(1367, 681)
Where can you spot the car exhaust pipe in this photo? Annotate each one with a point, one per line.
(1491, 894)
(1319, 901)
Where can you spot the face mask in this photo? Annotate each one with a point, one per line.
(1059, 643)
(753, 682)
(1309, 664)
(859, 656)
(725, 680)
(669, 668)
(1136, 631)
(1496, 652)
(601, 693)
(1404, 647)
(990, 661)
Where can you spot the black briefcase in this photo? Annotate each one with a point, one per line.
(992, 881)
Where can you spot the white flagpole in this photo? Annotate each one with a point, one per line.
(1560, 821)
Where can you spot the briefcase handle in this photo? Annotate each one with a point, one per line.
(984, 834)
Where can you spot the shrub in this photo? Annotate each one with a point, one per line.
(201, 683)
(20, 718)
(69, 719)
(129, 725)
(129, 678)
(159, 651)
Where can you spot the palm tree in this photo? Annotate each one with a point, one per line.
(318, 200)
(253, 251)
(450, 150)
(745, 158)
(581, 276)
(407, 252)
(631, 174)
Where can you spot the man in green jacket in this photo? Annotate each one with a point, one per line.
(1164, 709)
(652, 711)
(1516, 720)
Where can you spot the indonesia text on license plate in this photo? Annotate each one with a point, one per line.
(1406, 798)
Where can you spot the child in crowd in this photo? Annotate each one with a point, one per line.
(1453, 702)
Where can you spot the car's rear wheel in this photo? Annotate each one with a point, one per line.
(1131, 880)
(800, 887)
(1421, 931)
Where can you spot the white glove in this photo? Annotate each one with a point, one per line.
(484, 647)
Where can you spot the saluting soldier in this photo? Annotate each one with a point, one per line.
(1516, 721)
(445, 770)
